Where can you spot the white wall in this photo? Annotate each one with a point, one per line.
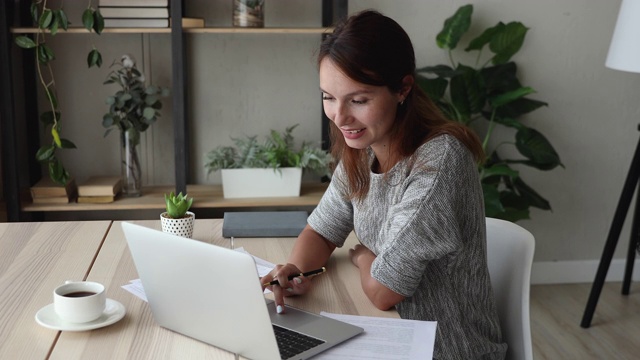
(247, 84)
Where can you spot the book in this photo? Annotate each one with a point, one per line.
(264, 223)
(191, 22)
(96, 199)
(136, 23)
(100, 186)
(51, 200)
(134, 3)
(48, 188)
(134, 12)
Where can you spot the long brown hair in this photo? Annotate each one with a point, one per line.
(373, 49)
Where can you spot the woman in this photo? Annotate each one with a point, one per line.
(407, 184)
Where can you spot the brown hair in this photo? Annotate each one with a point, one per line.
(373, 49)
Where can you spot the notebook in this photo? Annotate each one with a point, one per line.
(213, 294)
(264, 223)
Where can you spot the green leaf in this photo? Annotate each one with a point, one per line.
(94, 58)
(50, 91)
(149, 113)
(492, 204)
(45, 153)
(87, 19)
(531, 195)
(56, 136)
(45, 19)
(499, 170)
(33, 9)
(534, 146)
(98, 22)
(53, 27)
(67, 144)
(501, 77)
(443, 71)
(505, 98)
(519, 107)
(455, 27)
(435, 88)
(62, 19)
(507, 42)
(484, 38)
(107, 120)
(47, 118)
(57, 172)
(467, 92)
(25, 42)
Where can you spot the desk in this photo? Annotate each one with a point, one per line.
(34, 259)
(137, 336)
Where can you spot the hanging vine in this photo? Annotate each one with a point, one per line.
(49, 22)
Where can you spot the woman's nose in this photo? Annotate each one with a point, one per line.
(341, 115)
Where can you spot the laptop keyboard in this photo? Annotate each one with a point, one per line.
(292, 343)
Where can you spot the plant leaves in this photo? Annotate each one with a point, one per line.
(535, 146)
(45, 19)
(53, 27)
(62, 19)
(507, 42)
(467, 92)
(87, 19)
(45, 54)
(500, 170)
(484, 38)
(98, 22)
(57, 172)
(149, 113)
(435, 88)
(56, 136)
(492, 204)
(67, 144)
(33, 9)
(505, 98)
(444, 71)
(45, 153)
(519, 107)
(455, 27)
(94, 58)
(25, 42)
(47, 118)
(533, 198)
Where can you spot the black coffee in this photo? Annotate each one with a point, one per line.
(78, 294)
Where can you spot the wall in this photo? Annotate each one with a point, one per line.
(247, 84)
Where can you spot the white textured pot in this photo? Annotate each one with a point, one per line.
(248, 183)
(181, 227)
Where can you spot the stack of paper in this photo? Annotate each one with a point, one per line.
(135, 13)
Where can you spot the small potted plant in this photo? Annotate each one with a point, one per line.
(178, 219)
(268, 169)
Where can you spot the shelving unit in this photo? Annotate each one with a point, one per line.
(17, 141)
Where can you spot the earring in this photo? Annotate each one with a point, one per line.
(402, 102)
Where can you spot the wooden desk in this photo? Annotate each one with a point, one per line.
(137, 336)
(34, 259)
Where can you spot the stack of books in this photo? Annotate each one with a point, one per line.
(99, 189)
(135, 13)
(46, 191)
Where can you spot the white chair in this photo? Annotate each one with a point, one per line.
(510, 256)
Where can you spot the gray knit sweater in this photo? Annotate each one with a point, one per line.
(425, 222)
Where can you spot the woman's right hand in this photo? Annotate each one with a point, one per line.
(298, 286)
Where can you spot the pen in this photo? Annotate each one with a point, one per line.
(305, 274)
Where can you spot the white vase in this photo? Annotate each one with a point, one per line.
(248, 183)
(181, 227)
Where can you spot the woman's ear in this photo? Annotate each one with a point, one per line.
(407, 85)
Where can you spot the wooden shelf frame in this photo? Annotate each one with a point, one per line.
(18, 174)
(204, 197)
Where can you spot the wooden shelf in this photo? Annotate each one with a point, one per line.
(206, 30)
(205, 197)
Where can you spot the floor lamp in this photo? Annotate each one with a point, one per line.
(624, 54)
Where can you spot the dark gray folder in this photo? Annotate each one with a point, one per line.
(264, 223)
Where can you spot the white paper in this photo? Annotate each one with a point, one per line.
(384, 338)
(263, 266)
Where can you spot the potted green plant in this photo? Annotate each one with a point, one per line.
(177, 219)
(490, 91)
(132, 109)
(266, 169)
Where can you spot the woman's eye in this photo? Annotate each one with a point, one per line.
(326, 97)
(359, 102)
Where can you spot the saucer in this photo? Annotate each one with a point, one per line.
(113, 312)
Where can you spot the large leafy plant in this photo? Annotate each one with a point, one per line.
(490, 91)
(49, 22)
(277, 151)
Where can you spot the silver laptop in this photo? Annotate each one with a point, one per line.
(214, 295)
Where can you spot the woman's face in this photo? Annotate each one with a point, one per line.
(364, 113)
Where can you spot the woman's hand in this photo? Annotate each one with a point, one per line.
(298, 286)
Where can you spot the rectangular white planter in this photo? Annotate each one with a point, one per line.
(248, 183)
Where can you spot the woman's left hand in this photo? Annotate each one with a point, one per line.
(361, 253)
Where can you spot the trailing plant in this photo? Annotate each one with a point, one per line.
(277, 151)
(49, 22)
(490, 90)
(177, 205)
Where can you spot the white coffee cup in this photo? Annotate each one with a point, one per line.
(79, 301)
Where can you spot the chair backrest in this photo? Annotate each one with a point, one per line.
(510, 256)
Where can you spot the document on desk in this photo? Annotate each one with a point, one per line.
(263, 267)
(384, 338)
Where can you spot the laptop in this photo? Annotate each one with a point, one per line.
(213, 294)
